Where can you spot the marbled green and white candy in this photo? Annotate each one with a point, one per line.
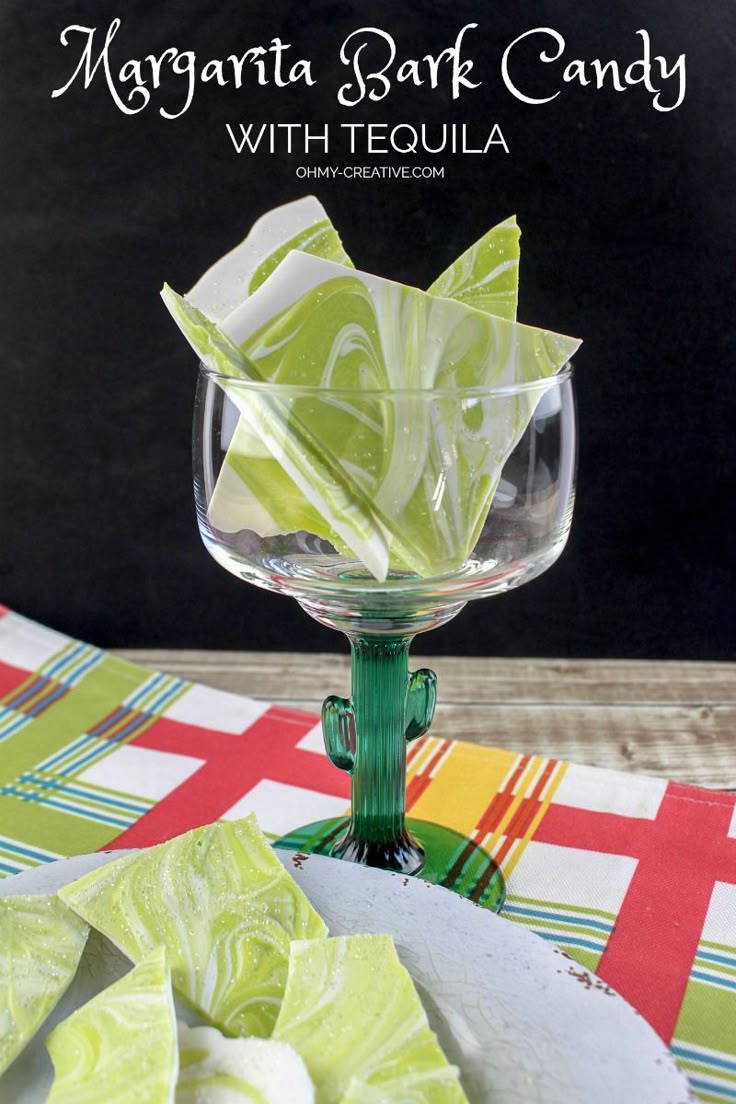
(41, 943)
(419, 1093)
(360, 1093)
(224, 907)
(302, 224)
(237, 502)
(486, 276)
(295, 459)
(352, 1012)
(121, 1046)
(216, 1070)
(410, 477)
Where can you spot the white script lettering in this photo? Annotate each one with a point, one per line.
(644, 70)
(265, 63)
(371, 77)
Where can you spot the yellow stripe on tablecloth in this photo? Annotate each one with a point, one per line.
(466, 779)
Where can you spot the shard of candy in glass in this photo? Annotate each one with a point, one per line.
(352, 1012)
(485, 276)
(214, 1069)
(302, 224)
(369, 463)
(319, 477)
(121, 1046)
(41, 943)
(254, 490)
(224, 907)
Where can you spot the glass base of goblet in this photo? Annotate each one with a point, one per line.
(451, 859)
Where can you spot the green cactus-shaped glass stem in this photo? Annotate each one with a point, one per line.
(367, 735)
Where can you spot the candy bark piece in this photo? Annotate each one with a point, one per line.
(302, 224)
(427, 470)
(343, 328)
(486, 276)
(422, 478)
(420, 1093)
(351, 1010)
(224, 907)
(360, 1093)
(41, 943)
(323, 481)
(237, 502)
(216, 1070)
(121, 1046)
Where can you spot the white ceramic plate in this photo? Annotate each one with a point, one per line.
(524, 1023)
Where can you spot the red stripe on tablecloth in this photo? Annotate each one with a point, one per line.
(529, 805)
(417, 785)
(494, 813)
(500, 802)
(234, 764)
(681, 854)
(11, 678)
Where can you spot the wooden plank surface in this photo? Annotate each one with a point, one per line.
(672, 719)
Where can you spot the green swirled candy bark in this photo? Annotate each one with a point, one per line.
(360, 1093)
(335, 501)
(393, 481)
(216, 1070)
(392, 470)
(223, 906)
(302, 224)
(121, 1046)
(41, 943)
(418, 1093)
(426, 469)
(255, 491)
(485, 276)
(238, 503)
(352, 1012)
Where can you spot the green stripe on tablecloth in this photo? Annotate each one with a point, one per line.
(707, 1018)
(51, 829)
(582, 932)
(709, 1097)
(711, 961)
(707, 1069)
(546, 927)
(16, 856)
(30, 795)
(717, 952)
(538, 903)
(712, 1089)
(100, 691)
(712, 1074)
(582, 952)
(77, 799)
(45, 782)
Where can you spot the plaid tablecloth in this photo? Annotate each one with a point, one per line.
(634, 877)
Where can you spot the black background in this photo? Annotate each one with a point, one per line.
(628, 221)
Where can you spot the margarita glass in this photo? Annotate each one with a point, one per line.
(457, 524)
